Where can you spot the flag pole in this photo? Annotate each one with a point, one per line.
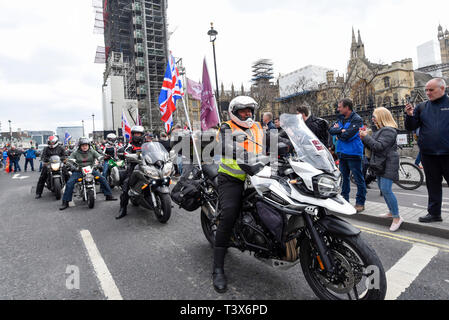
(191, 134)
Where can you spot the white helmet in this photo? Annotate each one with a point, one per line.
(240, 103)
(112, 138)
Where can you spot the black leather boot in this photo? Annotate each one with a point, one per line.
(65, 205)
(110, 198)
(122, 213)
(38, 196)
(218, 275)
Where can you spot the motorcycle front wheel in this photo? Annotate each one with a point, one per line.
(163, 209)
(90, 199)
(359, 273)
(57, 188)
(209, 228)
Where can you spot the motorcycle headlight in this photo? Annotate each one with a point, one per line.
(89, 178)
(168, 168)
(325, 186)
(55, 166)
(152, 172)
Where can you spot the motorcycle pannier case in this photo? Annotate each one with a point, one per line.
(273, 220)
(187, 194)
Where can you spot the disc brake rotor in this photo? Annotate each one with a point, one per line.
(344, 270)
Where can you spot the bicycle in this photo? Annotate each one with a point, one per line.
(411, 177)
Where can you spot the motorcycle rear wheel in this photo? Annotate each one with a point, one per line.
(363, 273)
(163, 210)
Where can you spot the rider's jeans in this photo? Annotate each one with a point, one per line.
(105, 168)
(105, 172)
(74, 178)
(348, 165)
(385, 186)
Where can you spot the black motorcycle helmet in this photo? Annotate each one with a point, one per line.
(81, 141)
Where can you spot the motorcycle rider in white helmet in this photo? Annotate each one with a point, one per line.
(110, 151)
(231, 178)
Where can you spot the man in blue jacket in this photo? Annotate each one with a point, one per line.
(30, 155)
(432, 117)
(350, 151)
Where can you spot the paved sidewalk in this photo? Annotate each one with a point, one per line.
(411, 215)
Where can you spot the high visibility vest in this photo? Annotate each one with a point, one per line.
(230, 166)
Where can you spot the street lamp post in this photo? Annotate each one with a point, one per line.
(93, 126)
(112, 108)
(212, 33)
(10, 133)
(82, 121)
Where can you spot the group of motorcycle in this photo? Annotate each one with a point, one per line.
(287, 216)
(149, 182)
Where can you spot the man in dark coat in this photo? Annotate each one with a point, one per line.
(432, 117)
(14, 158)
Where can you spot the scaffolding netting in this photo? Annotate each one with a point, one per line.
(100, 55)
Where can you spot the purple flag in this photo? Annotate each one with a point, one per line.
(194, 89)
(209, 117)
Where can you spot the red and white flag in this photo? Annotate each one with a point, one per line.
(125, 127)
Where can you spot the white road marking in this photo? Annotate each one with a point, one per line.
(407, 269)
(107, 283)
(17, 176)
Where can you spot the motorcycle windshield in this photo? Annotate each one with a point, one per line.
(153, 152)
(55, 159)
(307, 146)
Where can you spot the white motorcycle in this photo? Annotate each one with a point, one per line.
(287, 219)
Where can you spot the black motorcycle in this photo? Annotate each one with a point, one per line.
(150, 181)
(55, 177)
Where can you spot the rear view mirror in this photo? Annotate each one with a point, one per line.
(134, 158)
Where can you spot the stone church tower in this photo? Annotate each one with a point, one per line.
(357, 47)
(443, 38)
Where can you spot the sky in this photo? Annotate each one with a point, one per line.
(48, 77)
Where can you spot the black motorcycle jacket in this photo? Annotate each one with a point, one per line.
(110, 151)
(49, 152)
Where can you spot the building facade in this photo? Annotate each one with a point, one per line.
(138, 30)
(75, 132)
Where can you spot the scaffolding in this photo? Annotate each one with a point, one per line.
(262, 71)
(126, 24)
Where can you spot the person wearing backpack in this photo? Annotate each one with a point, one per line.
(432, 117)
(317, 125)
(385, 160)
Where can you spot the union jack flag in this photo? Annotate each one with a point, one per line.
(125, 127)
(171, 91)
